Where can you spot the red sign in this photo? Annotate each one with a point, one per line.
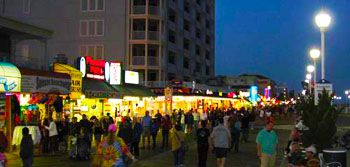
(92, 68)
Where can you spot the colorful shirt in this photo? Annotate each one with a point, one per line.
(176, 138)
(268, 141)
(112, 155)
(3, 159)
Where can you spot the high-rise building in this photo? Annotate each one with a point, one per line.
(162, 39)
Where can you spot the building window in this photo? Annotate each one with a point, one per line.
(199, 17)
(207, 39)
(187, 6)
(187, 44)
(94, 51)
(187, 25)
(91, 28)
(198, 50)
(207, 55)
(207, 70)
(186, 79)
(186, 62)
(199, 2)
(198, 67)
(198, 33)
(172, 15)
(171, 76)
(152, 75)
(207, 24)
(172, 57)
(172, 36)
(26, 6)
(25, 52)
(92, 5)
(207, 8)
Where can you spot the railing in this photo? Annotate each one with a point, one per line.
(139, 10)
(162, 84)
(153, 61)
(139, 35)
(153, 10)
(138, 60)
(153, 35)
(26, 62)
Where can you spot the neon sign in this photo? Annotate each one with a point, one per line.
(253, 93)
(100, 69)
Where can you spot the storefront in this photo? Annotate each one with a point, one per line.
(10, 87)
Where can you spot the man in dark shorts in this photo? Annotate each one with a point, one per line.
(220, 138)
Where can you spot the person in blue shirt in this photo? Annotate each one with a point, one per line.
(154, 131)
(267, 143)
(137, 131)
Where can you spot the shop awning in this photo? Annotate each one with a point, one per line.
(10, 78)
(94, 88)
(75, 76)
(134, 90)
(40, 81)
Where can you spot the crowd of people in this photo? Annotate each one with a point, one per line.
(118, 143)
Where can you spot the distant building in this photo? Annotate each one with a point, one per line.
(162, 39)
(245, 81)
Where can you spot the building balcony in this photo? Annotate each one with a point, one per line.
(139, 10)
(154, 10)
(139, 35)
(153, 35)
(138, 60)
(153, 61)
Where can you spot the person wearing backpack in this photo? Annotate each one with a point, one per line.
(203, 135)
(27, 148)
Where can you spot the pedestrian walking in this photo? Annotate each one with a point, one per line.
(245, 126)
(53, 141)
(146, 126)
(267, 142)
(27, 148)
(177, 146)
(203, 135)
(3, 158)
(136, 135)
(220, 141)
(111, 151)
(235, 129)
(166, 126)
(154, 132)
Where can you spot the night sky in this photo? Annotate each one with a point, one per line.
(273, 37)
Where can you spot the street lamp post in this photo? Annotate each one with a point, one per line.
(308, 77)
(346, 101)
(323, 20)
(315, 54)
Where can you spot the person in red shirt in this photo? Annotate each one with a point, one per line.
(166, 126)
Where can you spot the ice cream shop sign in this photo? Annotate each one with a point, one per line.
(100, 69)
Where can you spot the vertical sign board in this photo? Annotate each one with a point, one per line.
(115, 73)
(253, 94)
(320, 87)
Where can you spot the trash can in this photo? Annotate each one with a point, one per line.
(335, 157)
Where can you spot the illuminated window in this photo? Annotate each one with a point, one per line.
(26, 6)
(91, 28)
(94, 51)
(92, 5)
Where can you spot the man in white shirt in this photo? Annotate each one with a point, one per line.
(53, 141)
(220, 138)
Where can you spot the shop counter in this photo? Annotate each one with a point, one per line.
(33, 130)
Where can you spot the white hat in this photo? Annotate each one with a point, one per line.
(311, 149)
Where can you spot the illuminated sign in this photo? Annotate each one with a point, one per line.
(253, 93)
(115, 73)
(91, 68)
(132, 77)
(267, 93)
(101, 69)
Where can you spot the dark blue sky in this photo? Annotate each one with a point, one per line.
(273, 37)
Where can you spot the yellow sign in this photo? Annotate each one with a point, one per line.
(76, 79)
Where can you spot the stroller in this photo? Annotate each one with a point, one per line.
(73, 152)
(83, 147)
